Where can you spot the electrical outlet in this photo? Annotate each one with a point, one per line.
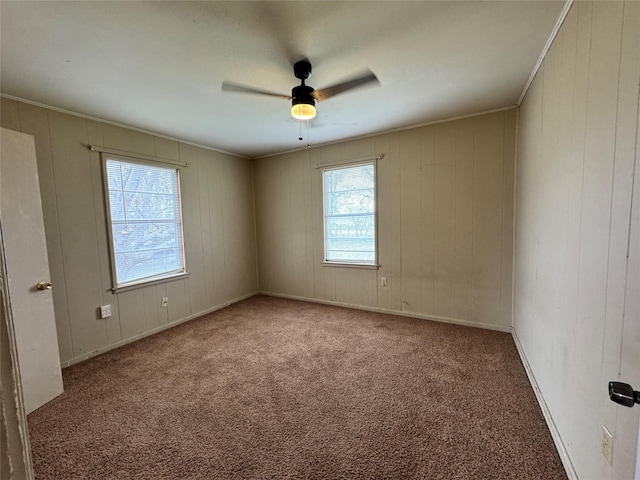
(165, 302)
(607, 445)
(383, 281)
(105, 311)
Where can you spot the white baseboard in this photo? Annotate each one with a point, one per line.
(435, 318)
(148, 333)
(555, 434)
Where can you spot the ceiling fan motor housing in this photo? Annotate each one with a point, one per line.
(302, 94)
(302, 69)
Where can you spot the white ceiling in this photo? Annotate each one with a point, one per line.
(159, 66)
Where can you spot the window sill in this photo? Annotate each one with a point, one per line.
(366, 266)
(148, 283)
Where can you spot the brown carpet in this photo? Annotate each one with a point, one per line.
(279, 389)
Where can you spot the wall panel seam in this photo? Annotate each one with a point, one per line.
(473, 215)
(630, 222)
(62, 263)
(515, 209)
(584, 142)
(611, 198)
(502, 200)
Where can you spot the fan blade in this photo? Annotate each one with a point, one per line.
(360, 80)
(239, 88)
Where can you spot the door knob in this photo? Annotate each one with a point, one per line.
(44, 286)
(623, 394)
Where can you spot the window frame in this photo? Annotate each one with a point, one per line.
(154, 279)
(340, 166)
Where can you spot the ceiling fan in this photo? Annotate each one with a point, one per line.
(303, 97)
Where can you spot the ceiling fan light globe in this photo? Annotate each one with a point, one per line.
(303, 111)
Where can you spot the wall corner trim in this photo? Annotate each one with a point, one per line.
(547, 46)
(137, 156)
(116, 124)
(555, 434)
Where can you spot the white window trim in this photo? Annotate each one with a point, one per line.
(108, 154)
(364, 266)
(371, 160)
(148, 282)
(136, 157)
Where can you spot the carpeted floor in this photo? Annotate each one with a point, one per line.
(277, 389)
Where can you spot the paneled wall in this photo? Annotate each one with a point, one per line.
(575, 301)
(219, 230)
(445, 215)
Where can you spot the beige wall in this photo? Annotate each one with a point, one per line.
(445, 214)
(577, 145)
(219, 230)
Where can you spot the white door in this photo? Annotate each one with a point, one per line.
(27, 265)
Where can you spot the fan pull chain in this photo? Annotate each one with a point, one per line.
(307, 131)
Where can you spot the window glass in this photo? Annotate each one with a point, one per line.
(145, 221)
(350, 214)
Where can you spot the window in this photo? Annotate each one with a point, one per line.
(350, 214)
(145, 222)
